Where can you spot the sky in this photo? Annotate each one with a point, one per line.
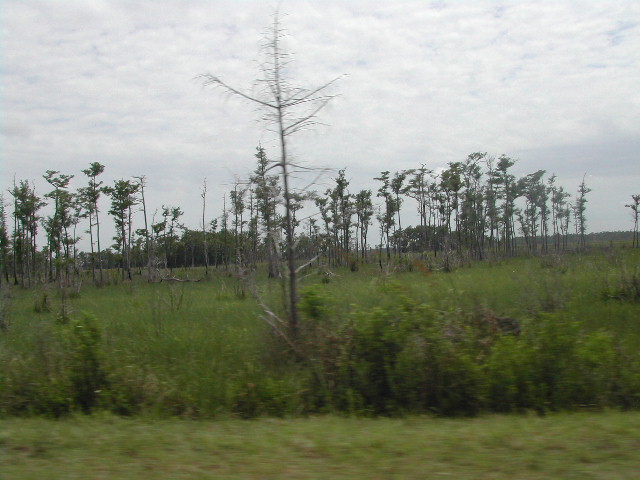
(553, 84)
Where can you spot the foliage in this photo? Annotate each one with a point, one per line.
(64, 372)
(409, 357)
(627, 287)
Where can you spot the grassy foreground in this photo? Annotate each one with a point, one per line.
(563, 446)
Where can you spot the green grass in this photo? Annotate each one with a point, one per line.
(567, 446)
(201, 350)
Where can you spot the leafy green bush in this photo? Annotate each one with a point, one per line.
(314, 305)
(63, 373)
(509, 382)
(85, 366)
(271, 396)
(396, 359)
(405, 357)
(626, 288)
(36, 383)
(555, 365)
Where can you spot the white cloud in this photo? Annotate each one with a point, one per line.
(551, 83)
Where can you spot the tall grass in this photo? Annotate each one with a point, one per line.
(556, 332)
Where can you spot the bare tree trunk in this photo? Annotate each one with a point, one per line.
(147, 243)
(100, 269)
(93, 253)
(290, 109)
(204, 228)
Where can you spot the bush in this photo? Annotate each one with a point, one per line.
(86, 373)
(508, 373)
(396, 359)
(627, 288)
(313, 305)
(27, 390)
(63, 373)
(405, 357)
(271, 397)
(557, 365)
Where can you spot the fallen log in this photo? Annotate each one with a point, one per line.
(181, 280)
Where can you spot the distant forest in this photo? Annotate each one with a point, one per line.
(471, 210)
(599, 237)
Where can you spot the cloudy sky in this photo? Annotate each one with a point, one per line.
(554, 84)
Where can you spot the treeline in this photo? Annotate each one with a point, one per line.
(473, 208)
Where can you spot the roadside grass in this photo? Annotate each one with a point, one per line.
(560, 446)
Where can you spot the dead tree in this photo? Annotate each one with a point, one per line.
(142, 182)
(287, 109)
(635, 209)
(205, 246)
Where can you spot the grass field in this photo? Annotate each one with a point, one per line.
(378, 342)
(582, 446)
(167, 370)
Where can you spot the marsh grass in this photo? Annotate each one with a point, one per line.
(200, 350)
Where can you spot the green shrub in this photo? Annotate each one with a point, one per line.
(402, 356)
(41, 303)
(63, 372)
(597, 369)
(436, 375)
(354, 263)
(36, 383)
(396, 359)
(314, 305)
(275, 397)
(557, 365)
(85, 367)
(626, 288)
(509, 376)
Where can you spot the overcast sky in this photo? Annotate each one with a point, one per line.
(554, 84)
